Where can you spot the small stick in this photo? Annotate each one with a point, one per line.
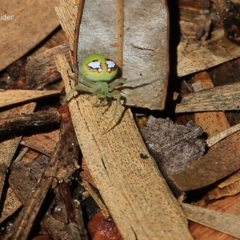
(23, 121)
(99, 202)
(120, 33)
(217, 138)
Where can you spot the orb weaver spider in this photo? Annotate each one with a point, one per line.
(97, 75)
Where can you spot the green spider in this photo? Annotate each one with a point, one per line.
(97, 76)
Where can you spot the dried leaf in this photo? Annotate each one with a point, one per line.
(138, 186)
(223, 222)
(195, 57)
(141, 181)
(145, 47)
(215, 99)
(9, 145)
(10, 97)
(20, 33)
(41, 69)
(228, 187)
(220, 161)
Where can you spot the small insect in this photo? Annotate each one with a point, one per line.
(143, 156)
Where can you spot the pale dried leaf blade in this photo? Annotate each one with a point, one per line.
(215, 99)
(213, 140)
(132, 188)
(145, 47)
(11, 97)
(211, 122)
(67, 14)
(195, 57)
(223, 222)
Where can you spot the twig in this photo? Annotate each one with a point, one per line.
(215, 139)
(33, 120)
(120, 33)
(26, 219)
(99, 202)
(76, 35)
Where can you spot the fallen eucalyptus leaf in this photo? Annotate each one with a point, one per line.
(145, 46)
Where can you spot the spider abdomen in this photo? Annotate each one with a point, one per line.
(98, 67)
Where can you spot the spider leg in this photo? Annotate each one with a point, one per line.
(100, 100)
(85, 81)
(80, 77)
(96, 104)
(78, 88)
(120, 81)
(116, 83)
(74, 68)
(117, 95)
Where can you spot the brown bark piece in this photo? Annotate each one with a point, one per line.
(42, 142)
(41, 69)
(29, 22)
(29, 121)
(211, 167)
(229, 187)
(9, 145)
(173, 146)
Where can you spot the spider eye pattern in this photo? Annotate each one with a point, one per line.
(98, 67)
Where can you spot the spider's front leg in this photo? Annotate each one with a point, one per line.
(116, 83)
(116, 94)
(78, 88)
(80, 77)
